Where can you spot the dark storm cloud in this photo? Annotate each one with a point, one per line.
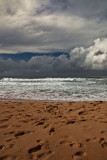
(37, 66)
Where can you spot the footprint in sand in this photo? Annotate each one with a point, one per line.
(52, 130)
(76, 145)
(103, 121)
(4, 120)
(11, 132)
(91, 139)
(7, 146)
(103, 142)
(8, 140)
(35, 149)
(38, 141)
(4, 157)
(40, 123)
(82, 120)
(52, 109)
(70, 122)
(102, 132)
(46, 125)
(7, 157)
(40, 151)
(12, 107)
(4, 126)
(62, 142)
(10, 146)
(81, 113)
(1, 147)
(20, 134)
(28, 115)
(42, 155)
(79, 154)
(70, 110)
(72, 144)
(100, 102)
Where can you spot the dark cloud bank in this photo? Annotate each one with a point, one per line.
(91, 61)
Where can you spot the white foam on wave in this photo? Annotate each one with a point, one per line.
(54, 89)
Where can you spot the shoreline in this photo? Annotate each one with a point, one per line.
(31, 100)
(43, 130)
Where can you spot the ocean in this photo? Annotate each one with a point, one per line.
(54, 89)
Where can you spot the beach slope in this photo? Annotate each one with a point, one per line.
(53, 130)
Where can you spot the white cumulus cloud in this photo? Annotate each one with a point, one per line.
(93, 57)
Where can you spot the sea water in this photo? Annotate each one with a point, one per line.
(54, 89)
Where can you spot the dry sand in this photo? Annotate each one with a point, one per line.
(53, 130)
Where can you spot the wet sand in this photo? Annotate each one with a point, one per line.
(53, 130)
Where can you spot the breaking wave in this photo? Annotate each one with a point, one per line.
(54, 89)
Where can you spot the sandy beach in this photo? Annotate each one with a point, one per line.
(53, 130)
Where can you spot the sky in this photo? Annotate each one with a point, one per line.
(76, 26)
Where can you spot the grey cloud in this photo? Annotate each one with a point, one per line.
(62, 64)
(83, 61)
(40, 66)
(98, 53)
(85, 8)
(37, 25)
